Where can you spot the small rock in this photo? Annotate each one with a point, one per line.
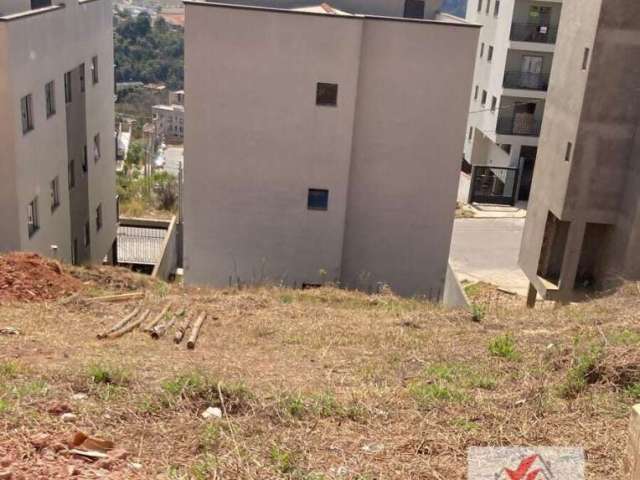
(6, 474)
(135, 466)
(40, 440)
(58, 408)
(69, 417)
(118, 454)
(373, 448)
(79, 397)
(212, 412)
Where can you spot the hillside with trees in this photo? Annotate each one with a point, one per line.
(149, 52)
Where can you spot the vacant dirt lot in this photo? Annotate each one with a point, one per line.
(315, 384)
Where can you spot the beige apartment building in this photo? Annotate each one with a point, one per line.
(583, 225)
(168, 123)
(514, 60)
(323, 142)
(57, 128)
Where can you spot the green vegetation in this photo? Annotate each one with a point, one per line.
(504, 346)
(148, 52)
(581, 373)
(106, 374)
(139, 194)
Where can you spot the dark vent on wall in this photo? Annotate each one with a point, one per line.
(40, 4)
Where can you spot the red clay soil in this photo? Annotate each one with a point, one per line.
(32, 278)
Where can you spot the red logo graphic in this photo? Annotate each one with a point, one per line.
(532, 467)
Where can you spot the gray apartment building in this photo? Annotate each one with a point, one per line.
(583, 224)
(57, 128)
(323, 142)
(514, 60)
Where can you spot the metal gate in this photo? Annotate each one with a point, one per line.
(495, 185)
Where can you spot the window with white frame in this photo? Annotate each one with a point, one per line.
(33, 223)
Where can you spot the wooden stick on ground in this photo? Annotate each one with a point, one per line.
(180, 331)
(131, 326)
(158, 317)
(191, 343)
(118, 298)
(159, 330)
(120, 324)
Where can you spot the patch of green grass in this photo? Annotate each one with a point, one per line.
(4, 406)
(504, 346)
(478, 312)
(33, 388)
(204, 468)
(633, 390)
(107, 374)
(460, 375)
(294, 406)
(196, 386)
(466, 425)
(283, 460)
(582, 373)
(210, 436)
(625, 337)
(428, 395)
(9, 369)
(286, 298)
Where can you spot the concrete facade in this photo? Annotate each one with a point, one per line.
(168, 122)
(256, 142)
(38, 47)
(513, 64)
(583, 227)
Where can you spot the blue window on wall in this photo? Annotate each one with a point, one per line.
(318, 199)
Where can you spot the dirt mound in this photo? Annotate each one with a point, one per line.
(30, 277)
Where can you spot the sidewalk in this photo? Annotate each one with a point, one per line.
(477, 210)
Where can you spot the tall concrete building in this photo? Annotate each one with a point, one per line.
(583, 224)
(323, 142)
(56, 128)
(511, 81)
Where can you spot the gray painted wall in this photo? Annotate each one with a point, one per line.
(256, 142)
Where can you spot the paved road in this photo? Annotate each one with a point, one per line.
(487, 249)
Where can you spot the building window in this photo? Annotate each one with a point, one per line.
(496, 8)
(71, 173)
(488, 7)
(96, 147)
(470, 133)
(26, 110)
(85, 159)
(87, 234)
(94, 70)
(494, 103)
(585, 58)
(50, 98)
(318, 199)
(481, 49)
(490, 54)
(475, 95)
(55, 194)
(67, 87)
(327, 94)
(567, 154)
(484, 97)
(81, 72)
(33, 223)
(99, 217)
(479, 5)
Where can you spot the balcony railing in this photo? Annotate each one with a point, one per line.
(519, 124)
(526, 80)
(533, 32)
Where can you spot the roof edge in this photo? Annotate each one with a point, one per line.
(31, 13)
(355, 16)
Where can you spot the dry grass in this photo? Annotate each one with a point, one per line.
(323, 384)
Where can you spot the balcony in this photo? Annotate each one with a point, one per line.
(533, 32)
(519, 124)
(526, 81)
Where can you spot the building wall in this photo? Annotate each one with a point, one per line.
(9, 229)
(406, 154)
(66, 37)
(256, 142)
(388, 153)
